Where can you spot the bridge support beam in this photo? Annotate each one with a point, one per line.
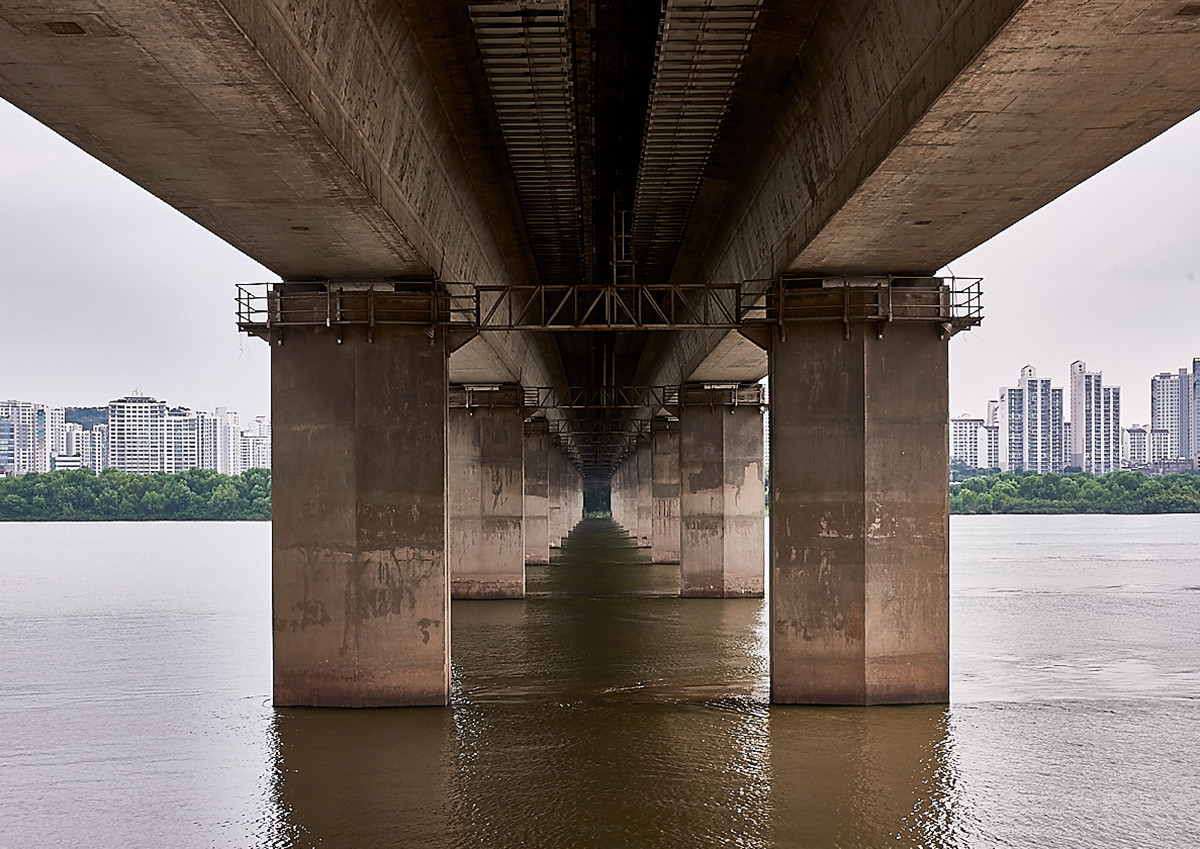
(859, 504)
(664, 532)
(721, 497)
(537, 496)
(486, 498)
(360, 600)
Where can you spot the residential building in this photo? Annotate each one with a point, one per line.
(1136, 446)
(143, 435)
(137, 434)
(27, 420)
(228, 442)
(1030, 421)
(66, 461)
(181, 449)
(98, 457)
(1165, 413)
(992, 429)
(1095, 422)
(967, 437)
(7, 447)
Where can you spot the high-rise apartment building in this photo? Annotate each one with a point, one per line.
(181, 444)
(98, 457)
(1165, 414)
(29, 430)
(1190, 417)
(7, 447)
(1175, 409)
(228, 442)
(137, 434)
(967, 436)
(1030, 421)
(52, 436)
(1095, 422)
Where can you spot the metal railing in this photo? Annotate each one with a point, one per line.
(954, 303)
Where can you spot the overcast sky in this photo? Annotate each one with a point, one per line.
(106, 289)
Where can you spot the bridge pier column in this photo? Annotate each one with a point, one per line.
(566, 495)
(644, 493)
(537, 496)
(614, 495)
(485, 495)
(721, 502)
(664, 532)
(859, 505)
(574, 496)
(625, 495)
(360, 601)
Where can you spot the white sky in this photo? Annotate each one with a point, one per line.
(105, 289)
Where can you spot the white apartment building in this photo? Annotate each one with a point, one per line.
(1189, 429)
(228, 443)
(38, 434)
(97, 458)
(137, 434)
(1165, 414)
(1095, 438)
(181, 442)
(53, 436)
(967, 441)
(1030, 421)
(1136, 446)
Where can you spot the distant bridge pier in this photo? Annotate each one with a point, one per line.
(565, 496)
(537, 496)
(721, 497)
(644, 496)
(630, 496)
(859, 504)
(664, 458)
(486, 493)
(360, 590)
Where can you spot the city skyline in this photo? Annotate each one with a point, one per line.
(1121, 244)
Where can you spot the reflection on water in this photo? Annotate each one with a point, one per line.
(602, 711)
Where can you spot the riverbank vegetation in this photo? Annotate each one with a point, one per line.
(80, 495)
(1116, 492)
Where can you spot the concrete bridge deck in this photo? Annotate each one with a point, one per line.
(672, 157)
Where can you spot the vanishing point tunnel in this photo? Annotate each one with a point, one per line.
(530, 245)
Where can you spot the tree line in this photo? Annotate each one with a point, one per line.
(80, 495)
(1115, 492)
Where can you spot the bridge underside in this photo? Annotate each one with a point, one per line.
(528, 245)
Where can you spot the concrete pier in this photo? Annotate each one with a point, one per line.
(644, 493)
(485, 495)
(537, 501)
(361, 608)
(859, 506)
(664, 460)
(722, 498)
(618, 498)
(565, 496)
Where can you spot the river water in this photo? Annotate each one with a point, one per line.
(601, 711)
